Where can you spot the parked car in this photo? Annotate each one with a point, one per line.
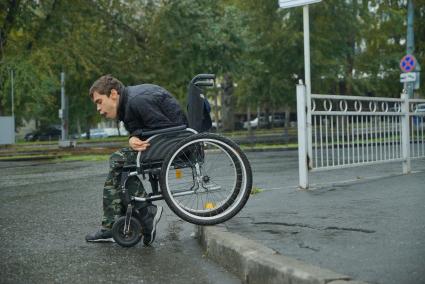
(253, 123)
(105, 132)
(278, 120)
(419, 120)
(420, 108)
(96, 133)
(112, 131)
(50, 133)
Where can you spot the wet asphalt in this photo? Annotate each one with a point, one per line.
(47, 209)
(365, 222)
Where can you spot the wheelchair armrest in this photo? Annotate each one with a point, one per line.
(149, 133)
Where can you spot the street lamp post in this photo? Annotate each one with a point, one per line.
(12, 92)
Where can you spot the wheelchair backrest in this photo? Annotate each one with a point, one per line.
(198, 107)
(161, 145)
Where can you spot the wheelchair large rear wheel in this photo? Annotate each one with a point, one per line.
(206, 179)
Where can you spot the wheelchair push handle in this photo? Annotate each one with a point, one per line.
(203, 80)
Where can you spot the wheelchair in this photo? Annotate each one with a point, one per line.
(203, 177)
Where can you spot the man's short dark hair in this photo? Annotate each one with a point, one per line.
(105, 84)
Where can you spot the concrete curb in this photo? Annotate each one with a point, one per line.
(255, 263)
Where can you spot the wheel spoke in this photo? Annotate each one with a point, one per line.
(213, 183)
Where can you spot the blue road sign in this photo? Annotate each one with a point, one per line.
(408, 63)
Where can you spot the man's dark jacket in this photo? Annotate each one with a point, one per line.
(147, 107)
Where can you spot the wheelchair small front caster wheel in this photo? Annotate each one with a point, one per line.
(127, 235)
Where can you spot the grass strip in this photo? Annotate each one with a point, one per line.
(85, 158)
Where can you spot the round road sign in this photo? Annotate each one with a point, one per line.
(408, 63)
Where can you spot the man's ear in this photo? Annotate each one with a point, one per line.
(114, 94)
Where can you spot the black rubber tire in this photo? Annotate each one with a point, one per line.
(234, 195)
(131, 239)
(225, 211)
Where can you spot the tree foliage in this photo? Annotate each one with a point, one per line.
(355, 49)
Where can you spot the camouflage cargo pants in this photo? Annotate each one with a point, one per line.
(112, 205)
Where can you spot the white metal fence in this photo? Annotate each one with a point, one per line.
(348, 131)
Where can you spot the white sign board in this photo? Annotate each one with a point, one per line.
(296, 3)
(407, 77)
(7, 130)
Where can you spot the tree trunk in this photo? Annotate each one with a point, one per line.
(227, 119)
(78, 126)
(258, 116)
(266, 118)
(287, 118)
(248, 114)
(216, 120)
(118, 127)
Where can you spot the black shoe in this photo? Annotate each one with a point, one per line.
(151, 216)
(103, 235)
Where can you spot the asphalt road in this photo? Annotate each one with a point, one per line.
(353, 221)
(47, 209)
(365, 222)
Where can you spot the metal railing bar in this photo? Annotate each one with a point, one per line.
(394, 129)
(380, 139)
(392, 137)
(370, 139)
(358, 138)
(357, 164)
(362, 125)
(417, 138)
(315, 140)
(416, 158)
(367, 140)
(321, 144)
(352, 140)
(343, 140)
(327, 143)
(355, 98)
(399, 127)
(355, 113)
(348, 139)
(423, 141)
(376, 139)
(332, 140)
(416, 100)
(411, 138)
(384, 138)
(337, 139)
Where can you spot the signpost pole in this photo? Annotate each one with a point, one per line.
(410, 43)
(307, 74)
(308, 145)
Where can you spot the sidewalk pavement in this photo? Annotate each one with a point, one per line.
(355, 225)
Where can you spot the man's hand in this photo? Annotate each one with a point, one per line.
(137, 144)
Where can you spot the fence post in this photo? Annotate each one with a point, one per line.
(302, 136)
(405, 133)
